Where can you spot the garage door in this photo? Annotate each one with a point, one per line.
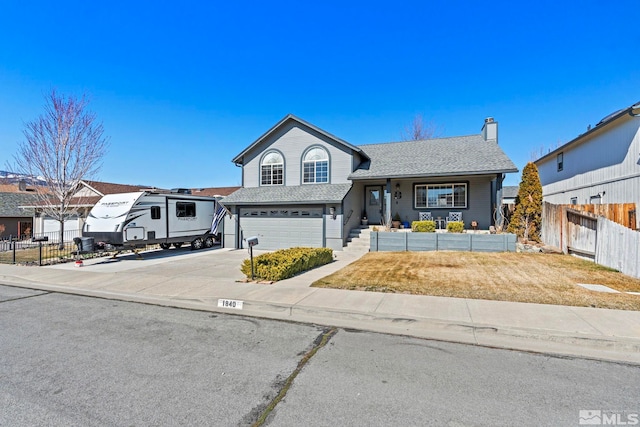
(283, 227)
(51, 225)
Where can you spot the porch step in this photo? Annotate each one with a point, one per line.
(359, 239)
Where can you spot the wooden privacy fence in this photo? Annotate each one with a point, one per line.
(554, 215)
(586, 233)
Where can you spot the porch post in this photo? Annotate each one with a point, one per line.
(387, 202)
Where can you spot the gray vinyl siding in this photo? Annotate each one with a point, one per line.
(605, 162)
(292, 141)
(352, 204)
(333, 228)
(230, 226)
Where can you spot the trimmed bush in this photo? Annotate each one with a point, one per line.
(455, 226)
(285, 263)
(423, 226)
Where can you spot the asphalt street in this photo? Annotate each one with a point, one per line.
(73, 360)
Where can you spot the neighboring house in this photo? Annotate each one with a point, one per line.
(600, 166)
(509, 195)
(15, 221)
(87, 195)
(303, 186)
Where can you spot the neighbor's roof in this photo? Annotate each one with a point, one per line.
(288, 118)
(100, 188)
(213, 191)
(10, 204)
(279, 194)
(608, 120)
(460, 155)
(104, 188)
(15, 188)
(510, 191)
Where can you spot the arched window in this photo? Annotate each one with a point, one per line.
(272, 169)
(315, 166)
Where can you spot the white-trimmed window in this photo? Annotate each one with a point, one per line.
(272, 169)
(315, 166)
(441, 196)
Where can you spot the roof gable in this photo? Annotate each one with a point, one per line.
(288, 119)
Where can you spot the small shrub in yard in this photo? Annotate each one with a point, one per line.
(285, 263)
(455, 226)
(423, 226)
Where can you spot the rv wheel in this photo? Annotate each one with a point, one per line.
(197, 244)
(208, 242)
(165, 245)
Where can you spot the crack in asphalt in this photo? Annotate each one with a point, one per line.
(261, 413)
(24, 297)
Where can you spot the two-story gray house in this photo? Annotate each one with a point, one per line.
(602, 165)
(302, 186)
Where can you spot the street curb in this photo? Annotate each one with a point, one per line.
(557, 343)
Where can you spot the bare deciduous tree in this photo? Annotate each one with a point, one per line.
(542, 151)
(62, 146)
(420, 129)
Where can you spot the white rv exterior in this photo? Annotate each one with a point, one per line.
(129, 220)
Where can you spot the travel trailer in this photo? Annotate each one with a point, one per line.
(132, 220)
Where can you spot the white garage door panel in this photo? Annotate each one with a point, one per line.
(281, 233)
(52, 225)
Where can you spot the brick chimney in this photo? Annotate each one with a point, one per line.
(490, 130)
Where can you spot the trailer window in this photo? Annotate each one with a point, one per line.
(185, 209)
(155, 212)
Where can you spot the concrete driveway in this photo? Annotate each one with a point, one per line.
(215, 262)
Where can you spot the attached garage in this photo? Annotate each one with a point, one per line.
(283, 226)
(287, 216)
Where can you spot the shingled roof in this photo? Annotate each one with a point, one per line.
(214, 191)
(300, 194)
(461, 155)
(510, 191)
(10, 202)
(104, 188)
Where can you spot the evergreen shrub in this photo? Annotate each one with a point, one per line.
(423, 226)
(285, 263)
(455, 226)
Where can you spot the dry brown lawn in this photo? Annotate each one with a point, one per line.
(520, 277)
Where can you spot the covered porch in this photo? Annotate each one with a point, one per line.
(396, 203)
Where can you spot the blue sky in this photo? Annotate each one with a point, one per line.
(182, 87)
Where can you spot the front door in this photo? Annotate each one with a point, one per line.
(373, 204)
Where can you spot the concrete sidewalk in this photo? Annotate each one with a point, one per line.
(198, 280)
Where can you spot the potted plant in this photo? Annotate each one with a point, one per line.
(363, 218)
(395, 222)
